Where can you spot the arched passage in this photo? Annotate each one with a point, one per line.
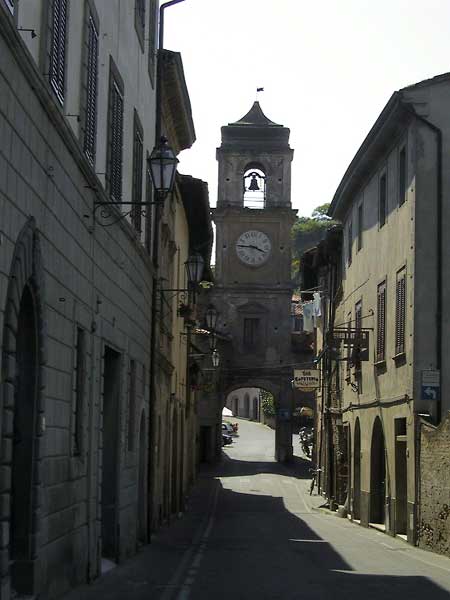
(357, 472)
(377, 474)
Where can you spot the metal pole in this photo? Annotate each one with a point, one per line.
(155, 281)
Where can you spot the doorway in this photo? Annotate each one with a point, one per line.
(24, 442)
(357, 473)
(401, 494)
(110, 453)
(377, 475)
(142, 492)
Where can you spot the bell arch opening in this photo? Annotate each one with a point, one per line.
(254, 187)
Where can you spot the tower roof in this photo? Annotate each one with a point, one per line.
(255, 130)
(255, 116)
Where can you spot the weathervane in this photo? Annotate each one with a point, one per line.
(259, 89)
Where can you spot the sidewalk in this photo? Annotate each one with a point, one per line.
(152, 573)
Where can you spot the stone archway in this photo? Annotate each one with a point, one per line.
(23, 363)
(377, 474)
(357, 472)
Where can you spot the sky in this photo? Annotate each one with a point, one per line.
(327, 68)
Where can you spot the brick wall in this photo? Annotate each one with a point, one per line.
(434, 495)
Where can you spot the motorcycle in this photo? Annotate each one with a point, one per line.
(306, 440)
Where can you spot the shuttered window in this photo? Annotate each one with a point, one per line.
(90, 117)
(149, 212)
(381, 322)
(400, 312)
(115, 140)
(58, 27)
(152, 39)
(360, 225)
(382, 200)
(349, 242)
(138, 155)
(402, 176)
(139, 21)
(10, 5)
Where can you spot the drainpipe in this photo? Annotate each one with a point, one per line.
(155, 258)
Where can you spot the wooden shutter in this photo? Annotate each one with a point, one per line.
(150, 210)
(138, 155)
(116, 143)
(58, 48)
(400, 312)
(381, 322)
(90, 125)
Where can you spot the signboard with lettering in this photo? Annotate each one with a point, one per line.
(306, 380)
(356, 339)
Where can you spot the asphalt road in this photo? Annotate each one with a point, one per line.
(251, 530)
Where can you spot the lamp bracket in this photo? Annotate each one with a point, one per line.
(110, 213)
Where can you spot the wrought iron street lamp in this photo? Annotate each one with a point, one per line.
(194, 269)
(163, 166)
(211, 316)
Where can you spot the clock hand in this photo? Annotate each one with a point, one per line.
(250, 246)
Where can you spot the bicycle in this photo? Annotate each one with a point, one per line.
(313, 480)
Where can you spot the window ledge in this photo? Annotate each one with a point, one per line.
(399, 355)
(380, 363)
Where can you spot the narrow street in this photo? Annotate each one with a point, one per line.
(251, 530)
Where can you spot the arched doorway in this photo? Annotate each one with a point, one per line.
(24, 434)
(22, 390)
(142, 486)
(377, 474)
(357, 472)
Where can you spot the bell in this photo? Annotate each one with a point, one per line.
(253, 187)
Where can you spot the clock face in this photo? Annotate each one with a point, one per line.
(253, 248)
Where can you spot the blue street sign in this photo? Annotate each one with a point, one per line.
(430, 385)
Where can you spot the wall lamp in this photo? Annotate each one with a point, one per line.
(162, 165)
(194, 271)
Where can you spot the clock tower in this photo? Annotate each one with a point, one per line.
(253, 287)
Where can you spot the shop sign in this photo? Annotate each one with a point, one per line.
(306, 380)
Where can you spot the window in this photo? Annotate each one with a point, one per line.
(10, 5)
(400, 311)
(357, 348)
(58, 27)
(251, 327)
(91, 85)
(402, 176)
(381, 322)
(131, 404)
(138, 156)
(149, 219)
(152, 39)
(360, 225)
(349, 243)
(80, 379)
(382, 200)
(139, 20)
(115, 136)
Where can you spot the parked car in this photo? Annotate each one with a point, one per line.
(227, 428)
(226, 439)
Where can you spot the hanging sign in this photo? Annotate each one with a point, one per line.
(431, 384)
(306, 380)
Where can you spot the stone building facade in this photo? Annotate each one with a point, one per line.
(389, 278)
(77, 121)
